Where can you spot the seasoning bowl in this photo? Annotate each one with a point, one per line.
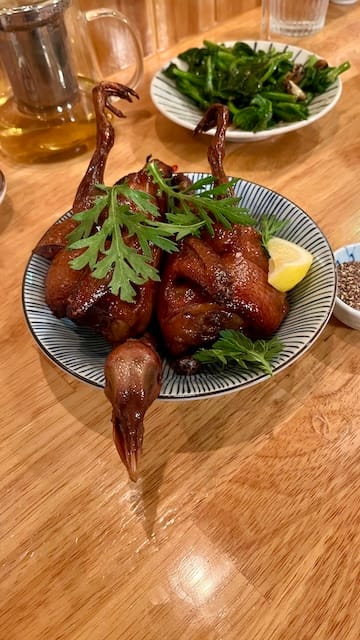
(349, 290)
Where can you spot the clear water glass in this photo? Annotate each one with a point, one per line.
(296, 17)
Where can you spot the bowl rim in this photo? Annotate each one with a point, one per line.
(345, 246)
(346, 307)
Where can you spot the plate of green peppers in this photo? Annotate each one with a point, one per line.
(270, 88)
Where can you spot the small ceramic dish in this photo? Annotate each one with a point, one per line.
(347, 314)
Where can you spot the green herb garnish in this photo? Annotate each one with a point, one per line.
(203, 201)
(133, 213)
(269, 227)
(234, 346)
(105, 249)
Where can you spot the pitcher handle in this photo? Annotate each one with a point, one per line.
(96, 14)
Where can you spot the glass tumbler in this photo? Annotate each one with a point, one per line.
(296, 17)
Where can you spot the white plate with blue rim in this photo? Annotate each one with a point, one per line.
(81, 353)
(180, 110)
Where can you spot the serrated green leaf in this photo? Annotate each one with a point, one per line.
(270, 226)
(210, 204)
(133, 213)
(87, 219)
(234, 346)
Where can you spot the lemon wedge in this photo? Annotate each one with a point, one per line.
(288, 264)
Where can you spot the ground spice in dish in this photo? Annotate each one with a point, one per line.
(349, 283)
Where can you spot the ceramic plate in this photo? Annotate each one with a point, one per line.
(182, 111)
(81, 353)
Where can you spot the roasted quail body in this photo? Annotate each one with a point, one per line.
(212, 283)
(133, 368)
(216, 282)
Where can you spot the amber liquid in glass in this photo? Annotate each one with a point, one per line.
(58, 134)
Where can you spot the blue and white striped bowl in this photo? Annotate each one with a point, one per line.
(179, 109)
(342, 311)
(81, 353)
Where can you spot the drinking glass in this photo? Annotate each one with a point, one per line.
(294, 17)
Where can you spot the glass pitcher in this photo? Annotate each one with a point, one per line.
(51, 66)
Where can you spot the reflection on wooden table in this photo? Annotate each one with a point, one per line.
(245, 522)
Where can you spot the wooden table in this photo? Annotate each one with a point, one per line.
(245, 523)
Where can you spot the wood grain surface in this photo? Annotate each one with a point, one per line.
(245, 524)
